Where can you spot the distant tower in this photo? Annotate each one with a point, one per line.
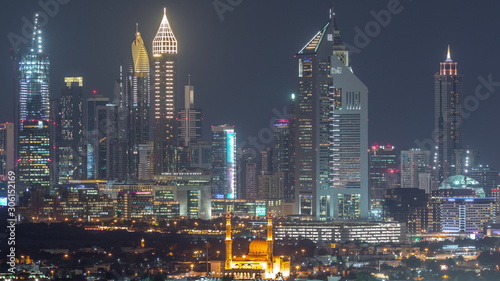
(34, 145)
(448, 120)
(138, 101)
(229, 242)
(382, 161)
(164, 103)
(189, 119)
(415, 165)
(223, 162)
(93, 130)
(69, 136)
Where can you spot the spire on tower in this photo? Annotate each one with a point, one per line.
(164, 41)
(448, 56)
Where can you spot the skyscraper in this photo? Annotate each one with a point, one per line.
(382, 161)
(448, 120)
(138, 102)
(164, 102)
(34, 109)
(189, 119)
(414, 163)
(331, 130)
(282, 154)
(69, 136)
(223, 162)
(92, 131)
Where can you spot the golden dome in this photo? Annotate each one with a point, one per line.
(257, 247)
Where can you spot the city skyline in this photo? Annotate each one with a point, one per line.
(415, 127)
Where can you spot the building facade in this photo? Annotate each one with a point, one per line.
(138, 89)
(224, 162)
(164, 101)
(331, 130)
(448, 119)
(34, 145)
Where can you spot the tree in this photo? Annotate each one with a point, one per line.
(365, 276)
(412, 262)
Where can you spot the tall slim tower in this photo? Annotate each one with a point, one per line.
(34, 109)
(224, 162)
(448, 121)
(164, 103)
(138, 102)
(331, 130)
(189, 119)
(69, 136)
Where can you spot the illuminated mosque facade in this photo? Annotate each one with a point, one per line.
(259, 261)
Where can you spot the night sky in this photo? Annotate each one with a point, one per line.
(242, 67)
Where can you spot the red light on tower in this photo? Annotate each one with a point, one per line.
(94, 92)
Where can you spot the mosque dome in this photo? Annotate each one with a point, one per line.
(257, 247)
(462, 182)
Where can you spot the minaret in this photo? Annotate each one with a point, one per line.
(448, 120)
(270, 244)
(164, 102)
(229, 242)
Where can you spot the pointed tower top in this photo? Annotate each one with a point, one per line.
(448, 55)
(164, 41)
(140, 56)
(136, 27)
(36, 41)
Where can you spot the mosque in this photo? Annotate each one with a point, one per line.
(259, 261)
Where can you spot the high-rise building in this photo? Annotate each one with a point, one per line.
(69, 132)
(138, 102)
(282, 154)
(92, 131)
(485, 175)
(164, 101)
(146, 161)
(223, 162)
(190, 119)
(331, 130)
(34, 153)
(248, 174)
(465, 160)
(382, 161)
(414, 163)
(448, 120)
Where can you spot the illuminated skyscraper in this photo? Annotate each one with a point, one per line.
(448, 120)
(164, 101)
(69, 136)
(34, 109)
(415, 164)
(189, 119)
(138, 102)
(223, 162)
(331, 130)
(382, 162)
(93, 130)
